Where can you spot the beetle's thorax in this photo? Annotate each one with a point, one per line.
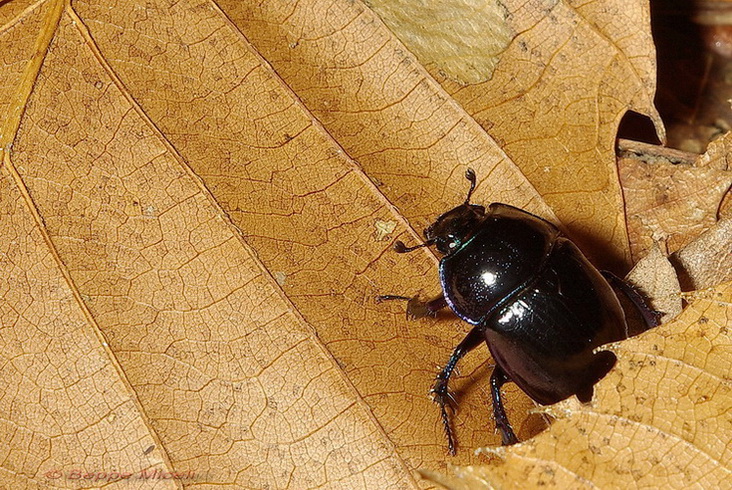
(504, 254)
(454, 228)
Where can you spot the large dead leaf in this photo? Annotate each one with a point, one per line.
(408, 136)
(218, 374)
(143, 148)
(660, 419)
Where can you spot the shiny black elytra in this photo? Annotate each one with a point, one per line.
(531, 295)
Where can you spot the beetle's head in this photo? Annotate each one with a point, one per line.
(453, 228)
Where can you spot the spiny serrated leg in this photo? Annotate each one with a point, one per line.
(498, 378)
(440, 392)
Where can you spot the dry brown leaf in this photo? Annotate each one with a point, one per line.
(725, 208)
(311, 215)
(667, 202)
(139, 330)
(13, 9)
(717, 155)
(381, 106)
(660, 419)
(231, 380)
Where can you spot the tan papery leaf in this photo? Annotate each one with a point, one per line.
(217, 256)
(657, 280)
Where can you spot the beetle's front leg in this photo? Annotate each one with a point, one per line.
(417, 308)
(498, 378)
(440, 392)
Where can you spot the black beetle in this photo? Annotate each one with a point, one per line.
(531, 295)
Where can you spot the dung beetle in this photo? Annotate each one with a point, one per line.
(533, 297)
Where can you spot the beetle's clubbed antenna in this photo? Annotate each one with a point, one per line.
(470, 175)
(400, 248)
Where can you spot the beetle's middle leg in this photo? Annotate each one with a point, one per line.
(440, 391)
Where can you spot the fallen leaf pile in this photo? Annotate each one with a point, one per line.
(199, 202)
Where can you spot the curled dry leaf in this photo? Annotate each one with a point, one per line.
(708, 259)
(660, 419)
(673, 203)
(656, 278)
(718, 154)
(718, 157)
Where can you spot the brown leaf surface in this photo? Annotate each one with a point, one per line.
(656, 278)
(139, 328)
(381, 106)
(13, 9)
(708, 259)
(144, 147)
(718, 157)
(718, 154)
(314, 219)
(660, 419)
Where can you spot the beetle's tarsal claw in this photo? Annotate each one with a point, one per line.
(399, 247)
(508, 438)
(442, 395)
(445, 400)
(448, 431)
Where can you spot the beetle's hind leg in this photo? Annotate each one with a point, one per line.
(651, 317)
(440, 392)
(498, 379)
